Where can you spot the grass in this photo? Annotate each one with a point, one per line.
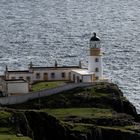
(78, 97)
(134, 127)
(79, 112)
(81, 127)
(4, 114)
(46, 85)
(7, 130)
(122, 129)
(4, 118)
(13, 137)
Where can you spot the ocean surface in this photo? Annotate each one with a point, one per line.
(43, 31)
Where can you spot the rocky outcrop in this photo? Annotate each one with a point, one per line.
(118, 134)
(123, 124)
(101, 95)
(46, 127)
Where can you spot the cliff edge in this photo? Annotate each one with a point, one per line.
(99, 112)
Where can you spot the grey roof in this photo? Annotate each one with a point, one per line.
(15, 80)
(61, 67)
(19, 71)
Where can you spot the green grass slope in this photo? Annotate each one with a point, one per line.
(101, 106)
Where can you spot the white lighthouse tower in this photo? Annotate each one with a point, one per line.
(95, 58)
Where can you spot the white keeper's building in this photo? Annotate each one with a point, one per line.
(75, 74)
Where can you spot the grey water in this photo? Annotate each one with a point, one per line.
(43, 31)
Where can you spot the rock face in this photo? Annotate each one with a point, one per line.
(110, 134)
(121, 122)
(119, 103)
(46, 127)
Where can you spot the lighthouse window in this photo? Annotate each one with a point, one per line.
(96, 69)
(96, 60)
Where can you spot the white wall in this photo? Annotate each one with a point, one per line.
(74, 74)
(92, 65)
(58, 74)
(83, 78)
(17, 75)
(15, 87)
(87, 78)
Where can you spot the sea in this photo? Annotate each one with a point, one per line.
(42, 31)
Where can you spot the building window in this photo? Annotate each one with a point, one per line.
(28, 78)
(52, 75)
(96, 69)
(13, 78)
(96, 60)
(63, 75)
(20, 77)
(97, 78)
(37, 75)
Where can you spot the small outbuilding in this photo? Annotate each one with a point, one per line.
(14, 87)
(82, 75)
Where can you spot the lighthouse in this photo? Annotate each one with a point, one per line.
(95, 58)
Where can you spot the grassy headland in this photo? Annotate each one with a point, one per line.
(46, 85)
(83, 112)
(8, 129)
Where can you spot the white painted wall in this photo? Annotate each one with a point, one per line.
(87, 78)
(58, 74)
(83, 78)
(74, 74)
(92, 65)
(15, 87)
(17, 75)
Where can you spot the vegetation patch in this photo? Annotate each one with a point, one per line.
(79, 97)
(8, 130)
(122, 129)
(135, 127)
(81, 127)
(46, 85)
(13, 137)
(79, 112)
